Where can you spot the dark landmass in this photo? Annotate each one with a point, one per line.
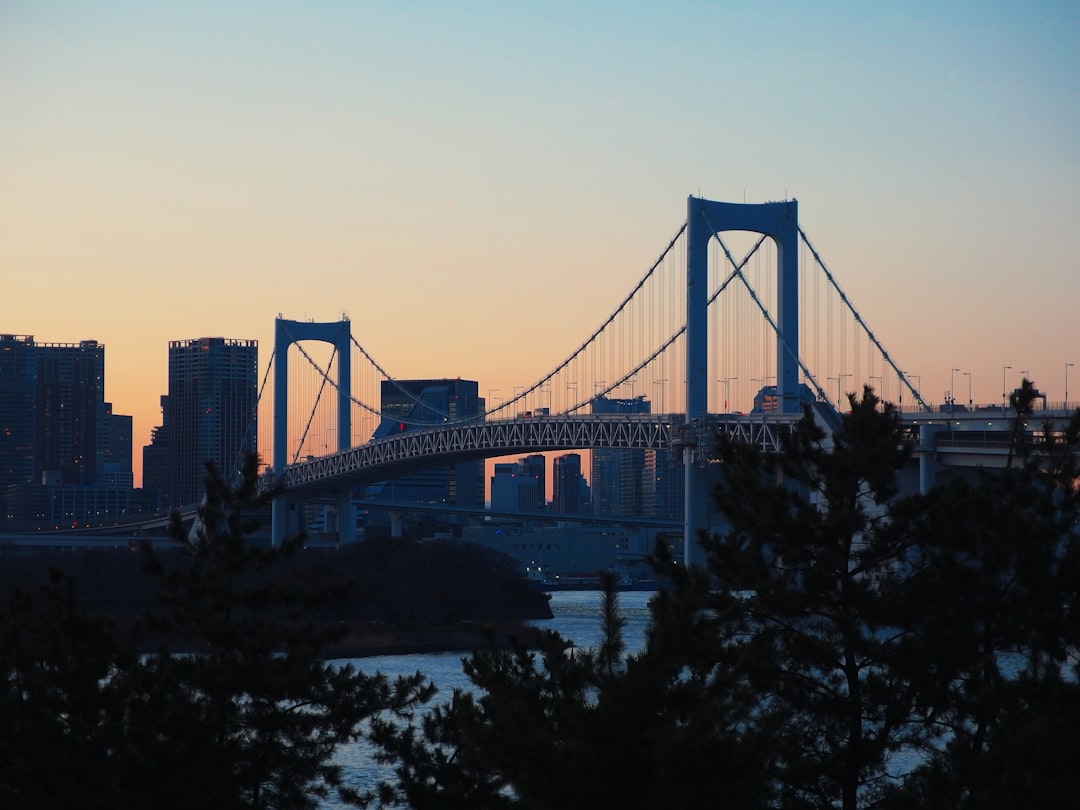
(398, 597)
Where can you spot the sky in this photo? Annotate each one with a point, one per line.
(501, 174)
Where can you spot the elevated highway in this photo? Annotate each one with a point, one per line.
(401, 454)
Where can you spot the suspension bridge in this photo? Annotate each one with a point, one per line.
(705, 341)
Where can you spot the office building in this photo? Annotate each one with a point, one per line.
(61, 445)
(69, 405)
(18, 373)
(114, 450)
(155, 456)
(569, 492)
(617, 474)
(211, 412)
(417, 404)
(513, 489)
(535, 466)
(663, 485)
(51, 505)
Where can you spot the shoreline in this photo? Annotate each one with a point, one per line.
(420, 642)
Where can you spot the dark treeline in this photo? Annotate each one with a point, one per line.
(391, 594)
(849, 646)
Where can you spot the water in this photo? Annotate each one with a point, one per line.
(576, 617)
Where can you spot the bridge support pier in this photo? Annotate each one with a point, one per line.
(704, 218)
(397, 523)
(286, 333)
(279, 519)
(346, 519)
(928, 463)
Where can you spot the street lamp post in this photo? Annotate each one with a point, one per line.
(661, 383)
(881, 386)
(918, 385)
(839, 393)
(1004, 391)
(726, 382)
(490, 400)
(952, 391)
(570, 401)
(1067, 365)
(968, 375)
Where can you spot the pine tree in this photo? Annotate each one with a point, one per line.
(816, 569)
(257, 712)
(235, 706)
(1003, 569)
(850, 646)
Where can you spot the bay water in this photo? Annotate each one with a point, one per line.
(576, 617)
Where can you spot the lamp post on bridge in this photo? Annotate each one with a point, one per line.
(1004, 391)
(726, 382)
(661, 383)
(971, 407)
(1067, 385)
(490, 401)
(952, 391)
(918, 386)
(839, 391)
(570, 401)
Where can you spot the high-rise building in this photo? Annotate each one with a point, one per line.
(617, 474)
(663, 486)
(52, 404)
(18, 372)
(155, 459)
(513, 489)
(70, 405)
(535, 466)
(417, 404)
(567, 484)
(211, 407)
(114, 450)
(60, 442)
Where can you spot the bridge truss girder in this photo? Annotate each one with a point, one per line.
(383, 459)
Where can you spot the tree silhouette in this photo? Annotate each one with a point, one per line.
(849, 646)
(234, 708)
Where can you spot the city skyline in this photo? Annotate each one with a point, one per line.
(177, 173)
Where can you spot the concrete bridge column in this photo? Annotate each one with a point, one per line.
(279, 519)
(397, 523)
(346, 519)
(928, 463)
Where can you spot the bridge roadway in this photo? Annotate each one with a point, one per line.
(403, 453)
(959, 438)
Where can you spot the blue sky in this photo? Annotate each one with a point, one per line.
(523, 163)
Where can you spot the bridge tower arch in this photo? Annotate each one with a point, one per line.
(336, 333)
(704, 218)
